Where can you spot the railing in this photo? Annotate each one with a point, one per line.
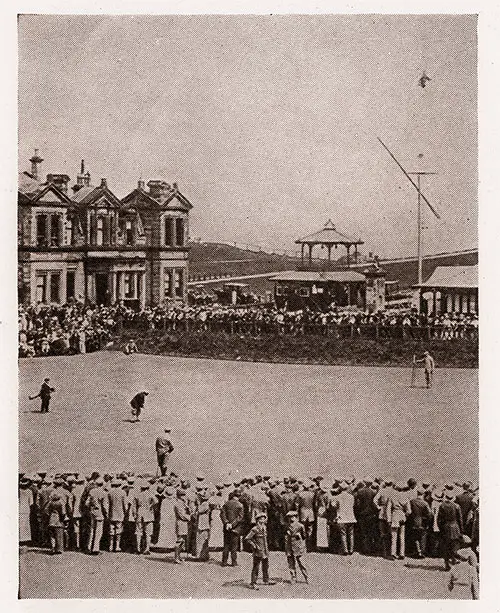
(339, 331)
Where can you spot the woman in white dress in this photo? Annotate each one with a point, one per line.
(216, 527)
(166, 536)
(26, 500)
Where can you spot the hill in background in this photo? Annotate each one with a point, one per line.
(209, 260)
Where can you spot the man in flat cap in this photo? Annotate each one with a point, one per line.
(182, 517)
(295, 546)
(44, 394)
(257, 540)
(164, 448)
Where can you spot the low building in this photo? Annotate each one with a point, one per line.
(86, 244)
(319, 290)
(450, 289)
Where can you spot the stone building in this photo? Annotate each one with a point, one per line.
(84, 243)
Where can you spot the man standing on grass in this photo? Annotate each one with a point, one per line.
(163, 450)
(44, 395)
(137, 404)
(429, 365)
(257, 539)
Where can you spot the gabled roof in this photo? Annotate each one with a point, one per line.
(453, 277)
(32, 190)
(89, 195)
(28, 185)
(172, 200)
(329, 235)
(339, 276)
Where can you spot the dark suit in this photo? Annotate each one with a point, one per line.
(419, 521)
(257, 539)
(464, 501)
(274, 528)
(44, 394)
(449, 519)
(305, 505)
(231, 516)
(366, 514)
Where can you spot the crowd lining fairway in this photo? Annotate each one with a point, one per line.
(250, 418)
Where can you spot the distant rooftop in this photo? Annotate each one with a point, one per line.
(453, 277)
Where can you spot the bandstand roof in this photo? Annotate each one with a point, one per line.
(328, 235)
(337, 276)
(453, 277)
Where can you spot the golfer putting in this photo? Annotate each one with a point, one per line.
(429, 364)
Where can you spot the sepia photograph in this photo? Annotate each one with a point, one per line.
(248, 309)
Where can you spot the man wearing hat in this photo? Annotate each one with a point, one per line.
(164, 448)
(366, 514)
(343, 504)
(305, 507)
(143, 512)
(232, 515)
(75, 489)
(117, 508)
(463, 583)
(56, 510)
(44, 395)
(44, 494)
(464, 501)
(449, 519)
(381, 501)
(257, 540)
(96, 503)
(137, 404)
(295, 546)
(419, 521)
(429, 366)
(182, 517)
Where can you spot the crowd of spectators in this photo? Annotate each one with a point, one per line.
(79, 328)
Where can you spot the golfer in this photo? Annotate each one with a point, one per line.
(137, 404)
(44, 395)
(428, 362)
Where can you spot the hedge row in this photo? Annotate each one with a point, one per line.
(303, 349)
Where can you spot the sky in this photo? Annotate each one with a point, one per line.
(268, 124)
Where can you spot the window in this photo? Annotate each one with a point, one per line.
(179, 283)
(167, 282)
(128, 284)
(55, 278)
(70, 284)
(279, 290)
(55, 227)
(179, 231)
(41, 288)
(41, 230)
(100, 231)
(169, 231)
(304, 292)
(129, 233)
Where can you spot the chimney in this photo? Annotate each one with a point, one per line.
(104, 183)
(140, 184)
(60, 181)
(35, 160)
(80, 178)
(156, 188)
(175, 186)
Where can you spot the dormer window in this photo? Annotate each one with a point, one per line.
(41, 231)
(129, 233)
(100, 232)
